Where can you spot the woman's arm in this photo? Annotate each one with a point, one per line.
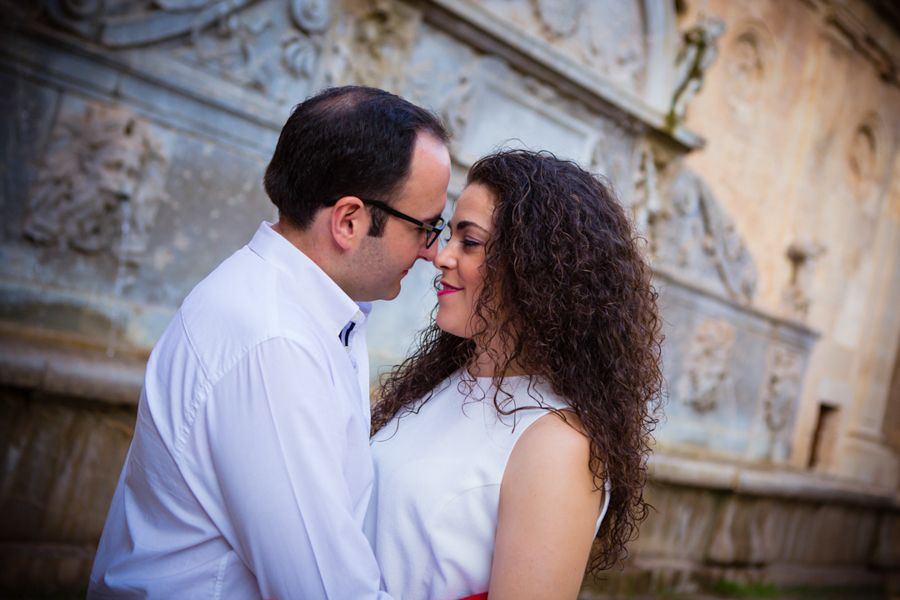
(548, 514)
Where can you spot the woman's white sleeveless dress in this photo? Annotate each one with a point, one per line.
(432, 516)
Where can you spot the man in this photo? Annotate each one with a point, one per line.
(249, 473)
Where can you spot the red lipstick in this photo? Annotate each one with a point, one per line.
(448, 289)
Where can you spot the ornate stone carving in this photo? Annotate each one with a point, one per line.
(312, 16)
(236, 40)
(646, 203)
(798, 295)
(613, 155)
(698, 52)
(99, 186)
(746, 63)
(693, 235)
(865, 157)
(782, 387)
(706, 381)
(372, 44)
(130, 24)
(607, 36)
(255, 52)
(560, 16)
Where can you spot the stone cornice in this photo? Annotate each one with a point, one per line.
(468, 21)
(869, 27)
(752, 480)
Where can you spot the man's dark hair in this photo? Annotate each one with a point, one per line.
(346, 141)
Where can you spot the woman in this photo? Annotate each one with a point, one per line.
(514, 439)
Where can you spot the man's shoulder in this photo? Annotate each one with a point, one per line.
(244, 303)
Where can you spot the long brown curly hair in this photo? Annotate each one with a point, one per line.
(568, 293)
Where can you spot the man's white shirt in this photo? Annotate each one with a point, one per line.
(249, 473)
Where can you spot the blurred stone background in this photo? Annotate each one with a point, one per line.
(755, 141)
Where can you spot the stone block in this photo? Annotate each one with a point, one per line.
(61, 462)
(887, 549)
(680, 525)
(47, 568)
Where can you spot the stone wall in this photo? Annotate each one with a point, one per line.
(802, 119)
(756, 144)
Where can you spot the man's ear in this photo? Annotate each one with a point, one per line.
(349, 222)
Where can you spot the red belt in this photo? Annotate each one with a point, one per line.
(476, 597)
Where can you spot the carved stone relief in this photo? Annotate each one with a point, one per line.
(782, 387)
(372, 44)
(691, 234)
(238, 41)
(747, 63)
(865, 158)
(699, 50)
(605, 35)
(560, 16)
(487, 105)
(613, 156)
(128, 23)
(798, 295)
(646, 202)
(99, 186)
(706, 381)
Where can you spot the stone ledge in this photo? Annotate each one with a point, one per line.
(760, 481)
(75, 372)
(470, 22)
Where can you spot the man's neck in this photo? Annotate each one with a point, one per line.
(316, 247)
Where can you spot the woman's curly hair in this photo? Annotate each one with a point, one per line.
(568, 293)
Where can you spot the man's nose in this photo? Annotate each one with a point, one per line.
(429, 254)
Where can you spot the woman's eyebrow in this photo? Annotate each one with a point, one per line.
(464, 224)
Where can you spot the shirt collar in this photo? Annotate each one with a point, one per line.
(318, 290)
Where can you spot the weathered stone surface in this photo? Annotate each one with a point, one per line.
(48, 568)
(134, 139)
(60, 462)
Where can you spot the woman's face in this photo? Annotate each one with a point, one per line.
(461, 260)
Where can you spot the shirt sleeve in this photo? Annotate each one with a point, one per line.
(279, 437)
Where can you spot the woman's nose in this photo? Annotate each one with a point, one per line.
(444, 259)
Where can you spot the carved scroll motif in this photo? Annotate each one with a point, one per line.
(782, 387)
(133, 25)
(706, 381)
(99, 187)
(312, 16)
(230, 38)
(691, 234)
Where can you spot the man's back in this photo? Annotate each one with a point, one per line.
(249, 399)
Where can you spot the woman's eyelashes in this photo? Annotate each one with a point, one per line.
(465, 241)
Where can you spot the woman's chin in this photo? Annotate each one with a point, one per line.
(448, 325)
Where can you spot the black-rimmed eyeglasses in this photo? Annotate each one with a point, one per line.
(433, 229)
